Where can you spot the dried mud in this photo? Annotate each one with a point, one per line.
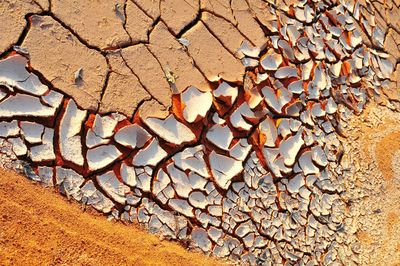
(138, 58)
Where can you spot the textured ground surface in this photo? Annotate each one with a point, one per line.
(38, 227)
(373, 198)
(217, 123)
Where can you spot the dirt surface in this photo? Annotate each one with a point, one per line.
(130, 57)
(40, 227)
(374, 185)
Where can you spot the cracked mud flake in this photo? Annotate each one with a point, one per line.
(12, 21)
(150, 155)
(223, 66)
(240, 117)
(70, 128)
(13, 73)
(192, 159)
(18, 146)
(226, 93)
(247, 24)
(240, 150)
(196, 104)
(151, 75)
(200, 239)
(290, 147)
(152, 108)
(181, 206)
(268, 129)
(224, 169)
(102, 28)
(9, 129)
(122, 82)
(170, 54)
(271, 60)
(180, 181)
(220, 136)
(170, 130)
(151, 7)
(138, 24)
(59, 60)
(45, 151)
(128, 175)
(69, 181)
(132, 136)
(113, 187)
(102, 156)
(24, 105)
(32, 132)
(93, 197)
(220, 8)
(225, 32)
(104, 126)
(177, 14)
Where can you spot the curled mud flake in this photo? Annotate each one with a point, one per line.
(150, 155)
(269, 132)
(226, 93)
(196, 104)
(271, 61)
(240, 117)
(170, 129)
(132, 136)
(13, 73)
(78, 77)
(24, 105)
(224, 168)
(32, 132)
(192, 159)
(290, 147)
(184, 42)
(102, 156)
(113, 187)
(70, 139)
(220, 136)
(128, 175)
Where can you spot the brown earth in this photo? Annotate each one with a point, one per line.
(40, 227)
(375, 204)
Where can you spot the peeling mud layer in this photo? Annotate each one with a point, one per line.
(230, 126)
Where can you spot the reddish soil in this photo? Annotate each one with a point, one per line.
(40, 227)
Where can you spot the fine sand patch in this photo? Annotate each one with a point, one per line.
(40, 227)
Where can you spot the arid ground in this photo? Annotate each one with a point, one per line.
(257, 132)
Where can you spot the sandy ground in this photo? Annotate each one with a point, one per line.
(40, 227)
(374, 186)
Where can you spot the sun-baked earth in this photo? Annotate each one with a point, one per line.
(220, 124)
